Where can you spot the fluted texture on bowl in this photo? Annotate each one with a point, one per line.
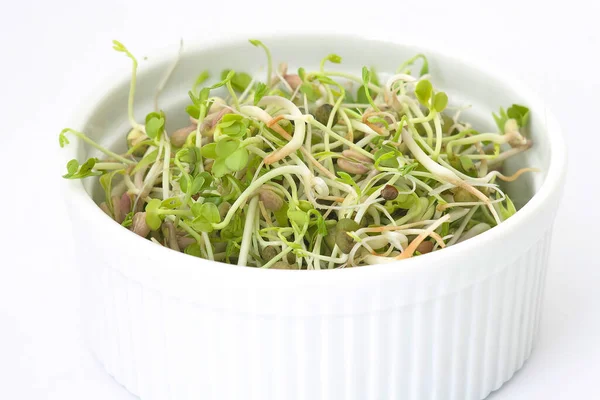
(460, 346)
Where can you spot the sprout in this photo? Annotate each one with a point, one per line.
(135, 142)
(376, 174)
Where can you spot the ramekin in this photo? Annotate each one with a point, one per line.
(454, 324)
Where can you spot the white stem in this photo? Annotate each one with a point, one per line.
(248, 229)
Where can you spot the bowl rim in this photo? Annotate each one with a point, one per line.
(189, 265)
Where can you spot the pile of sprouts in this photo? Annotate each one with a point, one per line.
(309, 169)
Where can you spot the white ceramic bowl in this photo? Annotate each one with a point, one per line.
(453, 324)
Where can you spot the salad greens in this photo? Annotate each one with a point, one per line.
(310, 169)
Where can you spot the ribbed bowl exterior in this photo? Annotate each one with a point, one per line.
(458, 346)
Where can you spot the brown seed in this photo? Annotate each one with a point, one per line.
(268, 253)
(135, 137)
(270, 199)
(462, 196)
(116, 203)
(168, 231)
(389, 192)
(104, 207)
(426, 246)
(125, 206)
(293, 80)
(356, 156)
(179, 137)
(139, 225)
(185, 241)
(352, 167)
(281, 265)
(323, 112)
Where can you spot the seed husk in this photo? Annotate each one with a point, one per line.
(389, 192)
(352, 167)
(323, 112)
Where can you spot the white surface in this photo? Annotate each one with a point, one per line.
(51, 51)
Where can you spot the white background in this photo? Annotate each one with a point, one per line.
(51, 52)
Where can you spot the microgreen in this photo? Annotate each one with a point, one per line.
(76, 171)
(155, 124)
(424, 68)
(319, 180)
(239, 80)
(204, 216)
(366, 80)
(128, 221)
(517, 112)
(204, 75)
(260, 91)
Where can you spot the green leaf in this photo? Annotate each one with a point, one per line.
(205, 214)
(237, 160)
(202, 181)
(500, 119)
(347, 179)
(361, 96)
(256, 42)
(299, 217)
(261, 90)
(153, 219)
(509, 210)
(219, 168)
(106, 183)
(62, 139)
(226, 146)
(148, 159)
(326, 80)
(155, 123)
(193, 111)
(305, 205)
(204, 75)
(209, 211)
(171, 203)
(366, 76)
(76, 171)
(233, 125)
(72, 166)
(209, 151)
(334, 58)
(128, 221)
(302, 73)
(466, 163)
(203, 96)
(386, 156)
(193, 250)
(281, 216)
(440, 101)
(234, 230)
(309, 91)
(239, 80)
(406, 169)
(518, 113)
(423, 92)
(387, 160)
(374, 77)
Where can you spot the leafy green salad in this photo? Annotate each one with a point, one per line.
(308, 169)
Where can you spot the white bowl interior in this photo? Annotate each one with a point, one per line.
(108, 123)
